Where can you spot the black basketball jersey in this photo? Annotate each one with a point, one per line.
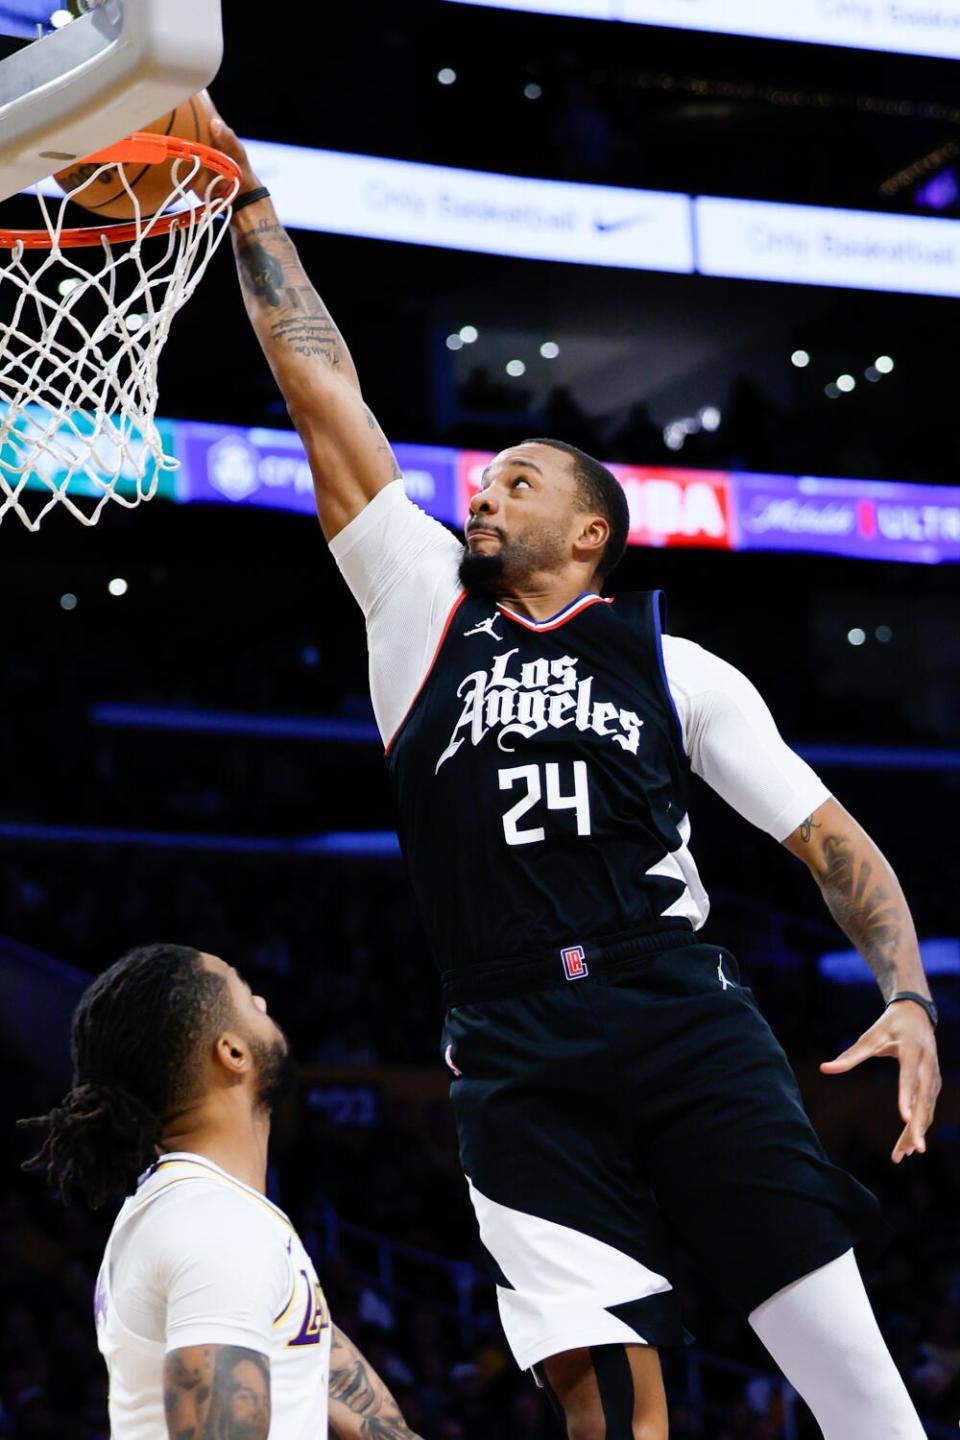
(541, 781)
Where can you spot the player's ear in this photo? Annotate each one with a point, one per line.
(592, 536)
(231, 1054)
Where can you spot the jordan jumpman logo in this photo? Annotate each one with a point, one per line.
(484, 628)
(727, 984)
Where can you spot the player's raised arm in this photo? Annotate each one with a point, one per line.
(214, 1391)
(349, 455)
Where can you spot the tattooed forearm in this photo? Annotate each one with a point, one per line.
(261, 272)
(866, 906)
(286, 311)
(216, 1392)
(309, 337)
(350, 1383)
(361, 1406)
(807, 828)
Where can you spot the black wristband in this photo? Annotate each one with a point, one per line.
(922, 1000)
(251, 198)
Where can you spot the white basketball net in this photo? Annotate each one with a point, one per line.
(81, 331)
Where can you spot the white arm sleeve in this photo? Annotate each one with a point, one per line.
(225, 1277)
(401, 566)
(734, 744)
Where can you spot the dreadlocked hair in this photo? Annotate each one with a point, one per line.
(600, 490)
(136, 1050)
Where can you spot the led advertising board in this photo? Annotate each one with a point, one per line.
(900, 27)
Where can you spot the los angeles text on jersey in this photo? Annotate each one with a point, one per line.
(522, 699)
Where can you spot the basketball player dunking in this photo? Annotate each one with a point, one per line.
(615, 1088)
(209, 1312)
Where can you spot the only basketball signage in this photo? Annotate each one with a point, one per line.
(908, 27)
(677, 507)
(476, 210)
(810, 245)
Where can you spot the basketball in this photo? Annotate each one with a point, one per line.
(153, 184)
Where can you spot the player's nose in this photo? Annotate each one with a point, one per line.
(484, 503)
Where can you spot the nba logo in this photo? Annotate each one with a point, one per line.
(574, 962)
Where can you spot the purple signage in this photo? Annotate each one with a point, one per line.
(869, 519)
(872, 520)
(227, 465)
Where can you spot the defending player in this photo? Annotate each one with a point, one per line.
(209, 1312)
(615, 1088)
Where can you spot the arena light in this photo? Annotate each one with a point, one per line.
(800, 358)
(884, 634)
(846, 384)
(68, 601)
(118, 586)
(549, 349)
(455, 342)
(446, 76)
(884, 364)
(515, 368)
(469, 334)
(856, 636)
(532, 91)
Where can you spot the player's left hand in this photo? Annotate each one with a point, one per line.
(905, 1033)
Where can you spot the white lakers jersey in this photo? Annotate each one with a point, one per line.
(198, 1258)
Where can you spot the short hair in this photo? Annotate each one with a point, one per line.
(601, 491)
(137, 1042)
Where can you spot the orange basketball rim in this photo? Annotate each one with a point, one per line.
(143, 149)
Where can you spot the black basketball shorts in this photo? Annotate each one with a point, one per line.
(605, 1118)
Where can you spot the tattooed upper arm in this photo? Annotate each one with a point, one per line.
(216, 1392)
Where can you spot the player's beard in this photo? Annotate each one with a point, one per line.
(276, 1070)
(511, 567)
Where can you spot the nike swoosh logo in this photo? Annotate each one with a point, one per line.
(607, 227)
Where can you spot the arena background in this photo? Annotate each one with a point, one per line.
(191, 756)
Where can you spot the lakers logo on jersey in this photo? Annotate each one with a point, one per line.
(316, 1317)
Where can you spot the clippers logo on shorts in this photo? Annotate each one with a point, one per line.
(540, 695)
(574, 963)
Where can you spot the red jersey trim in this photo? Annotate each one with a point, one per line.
(542, 626)
(447, 623)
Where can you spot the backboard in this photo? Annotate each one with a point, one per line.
(96, 78)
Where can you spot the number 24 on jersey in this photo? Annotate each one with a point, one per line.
(542, 786)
